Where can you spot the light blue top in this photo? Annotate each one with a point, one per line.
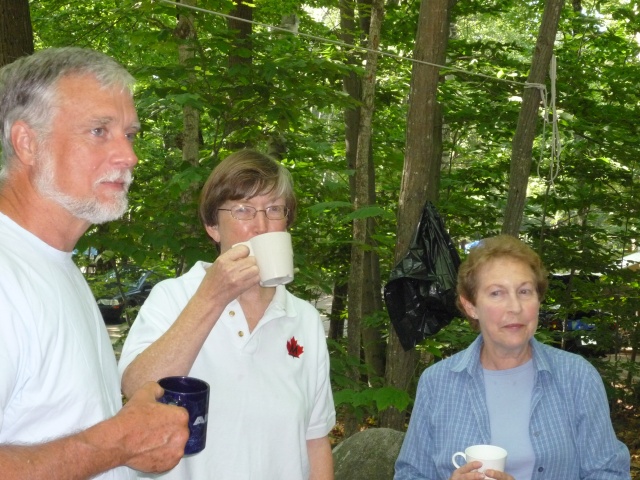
(509, 395)
(570, 427)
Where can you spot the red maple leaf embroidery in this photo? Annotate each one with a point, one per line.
(293, 348)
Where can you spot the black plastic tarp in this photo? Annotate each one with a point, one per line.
(421, 292)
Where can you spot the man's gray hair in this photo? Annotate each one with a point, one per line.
(28, 86)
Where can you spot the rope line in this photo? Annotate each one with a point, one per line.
(556, 144)
(556, 147)
(353, 47)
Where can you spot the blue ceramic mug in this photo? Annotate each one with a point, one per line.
(192, 394)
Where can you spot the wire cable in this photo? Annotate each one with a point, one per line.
(350, 46)
(556, 147)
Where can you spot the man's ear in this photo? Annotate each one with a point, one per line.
(212, 231)
(24, 141)
(469, 308)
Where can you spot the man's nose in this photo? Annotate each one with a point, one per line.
(124, 153)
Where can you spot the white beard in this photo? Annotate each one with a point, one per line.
(90, 208)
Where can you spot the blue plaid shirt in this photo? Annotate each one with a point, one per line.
(570, 426)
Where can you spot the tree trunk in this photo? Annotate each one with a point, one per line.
(372, 341)
(528, 119)
(360, 266)
(352, 85)
(16, 34)
(364, 8)
(438, 157)
(338, 306)
(186, 32)
(242, 34)
(421, 169)
(241, 42)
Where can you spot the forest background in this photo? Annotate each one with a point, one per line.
(377, 107)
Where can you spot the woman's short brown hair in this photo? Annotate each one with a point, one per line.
(490, 249)
(242, 175)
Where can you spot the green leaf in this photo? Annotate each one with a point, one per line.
(319, 208)
(365, 212)
(386, 397)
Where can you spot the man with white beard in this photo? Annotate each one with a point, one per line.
(67, 126)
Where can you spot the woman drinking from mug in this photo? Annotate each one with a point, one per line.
(545, 406)
(262, 350)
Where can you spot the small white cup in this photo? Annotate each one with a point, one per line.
(492, 457)
(274, 256)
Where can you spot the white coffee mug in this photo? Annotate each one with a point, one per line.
(274, 256)
(492, 457)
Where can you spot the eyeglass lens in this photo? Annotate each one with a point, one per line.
(246, 212)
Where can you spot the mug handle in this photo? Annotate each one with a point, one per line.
(453, 458)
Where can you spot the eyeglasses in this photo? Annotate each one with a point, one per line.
(246, 212)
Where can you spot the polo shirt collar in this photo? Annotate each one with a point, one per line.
(281, 305)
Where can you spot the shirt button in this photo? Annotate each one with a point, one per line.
(232, 313)
(541, 469)
(241, 333)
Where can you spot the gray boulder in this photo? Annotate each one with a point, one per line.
(368, 455)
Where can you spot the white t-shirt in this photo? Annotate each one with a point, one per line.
(265, 403)
(58, 374)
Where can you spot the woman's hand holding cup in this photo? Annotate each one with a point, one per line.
(468, 471)
(497, 475)
(486, 460)
(234, 269)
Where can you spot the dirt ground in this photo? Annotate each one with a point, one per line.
(626, 417)
(627, 426)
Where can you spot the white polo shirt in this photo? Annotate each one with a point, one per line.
(267, 397)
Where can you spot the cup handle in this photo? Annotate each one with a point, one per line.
(453, 458)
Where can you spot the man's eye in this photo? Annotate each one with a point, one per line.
(275, 209)
(98, 132)
(132, 136)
